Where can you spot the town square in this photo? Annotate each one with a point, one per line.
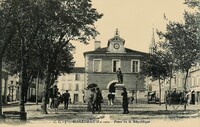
(100, 62)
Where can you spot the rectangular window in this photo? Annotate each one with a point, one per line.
(97, 65)
(115, 65)
(179, 82)
(76, 98)
(77, 77)
(135, 66)
(195, 82)
(77, 87)
(70, 77)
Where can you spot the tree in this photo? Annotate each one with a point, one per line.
(7, 32)
(157, 66)
(64, 21)
(183, 44)
(44, 28)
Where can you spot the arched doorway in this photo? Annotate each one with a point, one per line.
(112, 88)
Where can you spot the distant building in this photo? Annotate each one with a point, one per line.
(35, 89)
(4, 80)
(194, 82)
(102, 63)
(177, 81)
(10, 89)
(74, 83)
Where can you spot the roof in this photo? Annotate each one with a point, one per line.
(78, 70)
(105, 51)
(116, 38)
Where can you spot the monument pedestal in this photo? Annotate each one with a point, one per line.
(119, 85)
(118, 90)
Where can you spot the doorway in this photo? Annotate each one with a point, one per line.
(112, 88)
(75, 98)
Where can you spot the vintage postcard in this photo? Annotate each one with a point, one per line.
(100, 63)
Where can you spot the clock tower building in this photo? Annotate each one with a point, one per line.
(116, 44)
(102, 64)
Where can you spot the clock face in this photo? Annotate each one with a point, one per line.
(116, 46)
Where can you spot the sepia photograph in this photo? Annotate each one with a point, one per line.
(100, 63)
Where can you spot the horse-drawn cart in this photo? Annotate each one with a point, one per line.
(174, 99)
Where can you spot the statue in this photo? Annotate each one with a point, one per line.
(119, 75)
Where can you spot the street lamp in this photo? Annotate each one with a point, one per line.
(136, 89)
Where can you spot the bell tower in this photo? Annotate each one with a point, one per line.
(116, 44)
(153, 46)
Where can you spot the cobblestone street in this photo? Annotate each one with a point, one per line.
(77, 113)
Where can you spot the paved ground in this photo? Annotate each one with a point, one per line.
(77, 113)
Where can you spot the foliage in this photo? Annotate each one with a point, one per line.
(182, 42)
(156, 66)
(39, 33)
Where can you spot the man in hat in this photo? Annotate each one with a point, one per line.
(66, 98)
(92, 99)
(125, 101)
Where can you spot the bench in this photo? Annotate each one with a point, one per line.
(15, 115)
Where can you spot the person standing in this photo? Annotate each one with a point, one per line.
(188, 97)
(92, 100)
(125, 101)
(119, 75)
(99, 100)
(66, 99)
(193, 97)
(132, 99)
(109, 99)
(50, 95)
(55, 102)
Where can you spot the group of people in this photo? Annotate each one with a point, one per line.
(96, 99)
(55, 98)
(180, 97)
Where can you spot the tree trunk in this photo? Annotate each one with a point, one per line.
(22, 90)
(22, 85)
(1, 86)
(26, 92)
(37, 88)
(185, 88)
(170, 83)
(5, 91)
(45, 97)
(159, 92)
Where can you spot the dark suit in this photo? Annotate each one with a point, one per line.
(125, 102)
(66, 97)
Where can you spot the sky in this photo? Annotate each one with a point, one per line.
(135, 20)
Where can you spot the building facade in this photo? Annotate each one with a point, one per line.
(74, 83)
(10, 89)
(194, 81)
(102, 64)
(177, 81)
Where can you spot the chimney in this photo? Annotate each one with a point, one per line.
(97, 45)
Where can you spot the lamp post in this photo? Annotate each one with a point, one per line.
(136, 89)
